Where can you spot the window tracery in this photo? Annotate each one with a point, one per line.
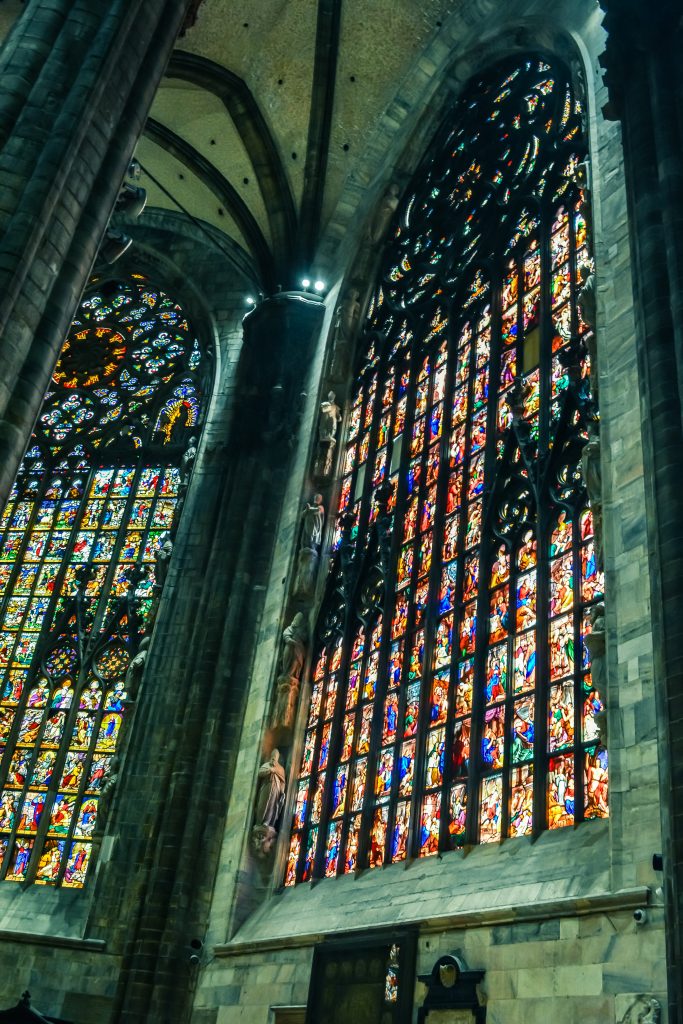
(95, 500)
(452, 700)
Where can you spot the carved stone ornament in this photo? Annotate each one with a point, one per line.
(643, 1010)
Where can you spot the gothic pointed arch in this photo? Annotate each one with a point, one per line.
(84, 548)
(452, 700)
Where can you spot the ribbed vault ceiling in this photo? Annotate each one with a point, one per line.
(272, 122)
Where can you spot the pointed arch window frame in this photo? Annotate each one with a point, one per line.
(122, 484)
(314, 808)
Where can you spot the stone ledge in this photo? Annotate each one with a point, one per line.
(572, 906)
(59, 941)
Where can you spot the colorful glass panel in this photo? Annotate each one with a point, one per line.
(93, 502)
(469, 710)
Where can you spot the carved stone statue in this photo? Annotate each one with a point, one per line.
(345, 323)
(383, 214)
(348, 313)
(107, 794)
(187, 461)
(587, 297)
(313, 517)
(327, 433)
(330, 415)
(516, 397)
(583, 181)
(270, 800)
(294, 639)
(136, 669)
(595, 642)
(592, 477)
(307, 563)
(162, 559)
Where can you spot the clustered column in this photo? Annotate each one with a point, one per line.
(644, 76)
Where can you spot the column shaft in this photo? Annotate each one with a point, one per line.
(643, 77)
(80, 79)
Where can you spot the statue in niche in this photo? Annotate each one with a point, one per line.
(345, 323)
(592, 477)
(294, 639)
(595, 642)
(312, 518)
(270, 799)
(383, 214)
(136, 669)
(330, 416)
(162, 559)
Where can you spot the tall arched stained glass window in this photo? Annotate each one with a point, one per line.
(451, 695)
(94, 500)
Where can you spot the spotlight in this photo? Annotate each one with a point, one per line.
(250, 300)
(114, 245)
(305, 283)
(319, 286)
(131, 200)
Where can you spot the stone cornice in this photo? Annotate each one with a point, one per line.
(570, 906)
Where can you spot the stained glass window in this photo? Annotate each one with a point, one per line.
(452, 700)
(92, 504)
